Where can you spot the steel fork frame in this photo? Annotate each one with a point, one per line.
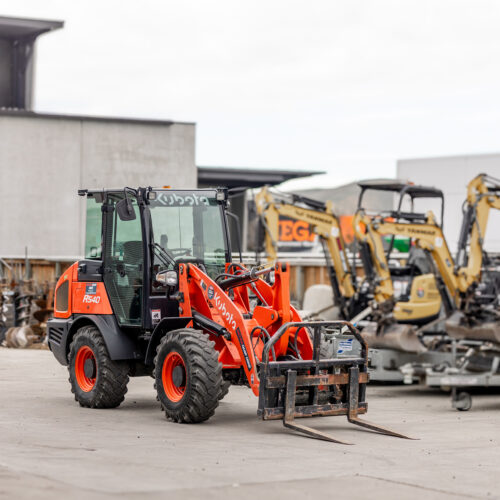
(353, 407)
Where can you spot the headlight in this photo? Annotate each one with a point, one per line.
(168, 278)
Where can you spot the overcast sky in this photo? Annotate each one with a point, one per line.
(342, 86)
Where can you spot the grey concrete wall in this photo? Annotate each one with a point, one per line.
(44, 161)
(451, 175)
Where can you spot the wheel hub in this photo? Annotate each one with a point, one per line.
(179, 376)
(174, 376)
(85, 368)
(89, 368)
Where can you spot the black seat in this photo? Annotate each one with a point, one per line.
(400, 270)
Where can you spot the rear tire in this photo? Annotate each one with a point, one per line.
(96, 380)
(188, 376)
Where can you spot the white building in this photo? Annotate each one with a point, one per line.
(451, 174)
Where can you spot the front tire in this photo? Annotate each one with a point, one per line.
(188, 376)
(96, 380)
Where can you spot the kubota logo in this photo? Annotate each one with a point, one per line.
(228, 316)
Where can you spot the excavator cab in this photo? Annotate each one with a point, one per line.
(416, 297)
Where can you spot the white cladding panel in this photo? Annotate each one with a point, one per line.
(451, 175)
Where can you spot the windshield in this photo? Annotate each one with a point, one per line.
(188, 224)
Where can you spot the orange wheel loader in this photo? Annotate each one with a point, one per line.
(157, 294)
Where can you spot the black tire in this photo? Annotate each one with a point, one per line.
(3, 331)
(225, 389)
(462, 401)
(111, 377)
(200, 387)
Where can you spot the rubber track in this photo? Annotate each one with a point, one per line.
(112, 376)
(205, 372)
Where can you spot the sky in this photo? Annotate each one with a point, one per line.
(346, 87)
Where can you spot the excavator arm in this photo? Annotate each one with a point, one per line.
(483, 194)
(325, 224)
(383, 289)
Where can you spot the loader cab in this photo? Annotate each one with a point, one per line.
(136, 238)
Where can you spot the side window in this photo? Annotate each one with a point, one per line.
(127, 234)
(213, 240)
(93, 232)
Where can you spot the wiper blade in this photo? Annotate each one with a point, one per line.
(163, 253)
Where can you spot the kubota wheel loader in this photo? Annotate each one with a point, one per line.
(157, 294)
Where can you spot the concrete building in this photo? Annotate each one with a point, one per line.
(45, 159)
(451, 174)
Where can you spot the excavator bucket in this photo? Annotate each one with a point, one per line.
(296, 388)
(399, 337)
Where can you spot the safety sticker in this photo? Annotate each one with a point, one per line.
(156, 315)
(344, 345)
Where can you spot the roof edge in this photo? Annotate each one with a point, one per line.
(21, 113)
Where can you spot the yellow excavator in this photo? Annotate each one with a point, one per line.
(475, 320)
(469, 289)
(320, 217)
(407, 301)
(424, 302)
(474, 278)
(418, 301)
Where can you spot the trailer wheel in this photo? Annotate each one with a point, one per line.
(96, 380)
(188, 376)
(462, 401)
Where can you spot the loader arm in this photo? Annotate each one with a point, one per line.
(200, 295)
(324, 223)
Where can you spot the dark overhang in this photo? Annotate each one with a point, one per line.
(22, 113)
(17, 58)
(15, 28)
(248, 177)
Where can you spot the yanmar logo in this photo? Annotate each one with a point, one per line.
(228, 316)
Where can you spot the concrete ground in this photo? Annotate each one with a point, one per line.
(52, 448)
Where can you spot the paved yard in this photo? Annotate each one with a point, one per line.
(52, 448)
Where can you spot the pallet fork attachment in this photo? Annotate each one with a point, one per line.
(327, 387)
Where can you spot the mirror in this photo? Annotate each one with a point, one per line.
(125, 210)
